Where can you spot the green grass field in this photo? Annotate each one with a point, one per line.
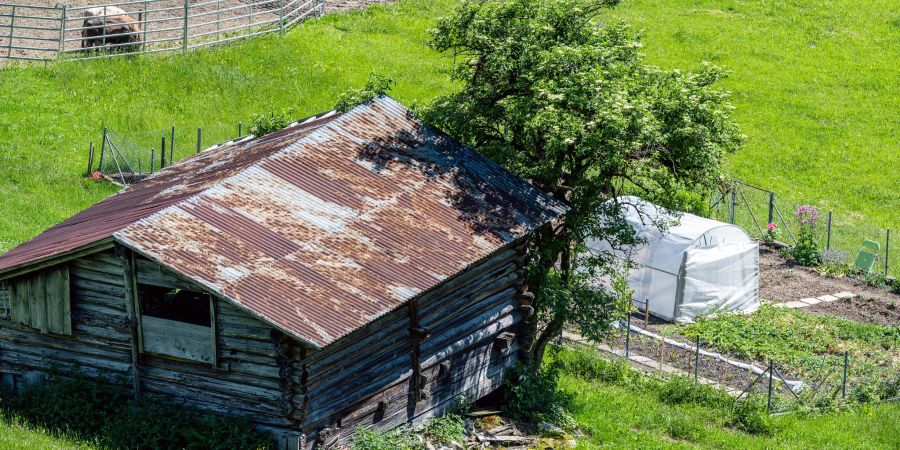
(816, 86)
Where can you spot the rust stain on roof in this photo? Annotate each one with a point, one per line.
(327, 227)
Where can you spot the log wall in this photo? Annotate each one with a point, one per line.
(100, 344)
(421, 360)
(413, 363)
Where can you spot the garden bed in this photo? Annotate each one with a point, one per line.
(782, 281)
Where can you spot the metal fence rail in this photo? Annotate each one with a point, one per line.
(41, 33)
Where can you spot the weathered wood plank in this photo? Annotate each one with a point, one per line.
(178, 339)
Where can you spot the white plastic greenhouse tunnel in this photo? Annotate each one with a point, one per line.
(696, 267)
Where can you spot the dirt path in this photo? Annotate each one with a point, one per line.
(781, 281)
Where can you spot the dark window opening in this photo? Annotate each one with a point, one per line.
(175, 304)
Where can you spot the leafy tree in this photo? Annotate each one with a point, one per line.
(564, 98)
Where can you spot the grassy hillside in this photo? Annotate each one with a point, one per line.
(816, 86)
(48, 114)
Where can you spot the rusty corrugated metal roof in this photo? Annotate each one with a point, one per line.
(340, 225)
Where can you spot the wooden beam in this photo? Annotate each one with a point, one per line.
(213, 315)
(38, 264)
(415, 381)
(132, 308)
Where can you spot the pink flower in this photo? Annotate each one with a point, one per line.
(772, 226)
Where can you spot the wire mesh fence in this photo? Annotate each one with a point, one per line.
(126, 158)
(828, 381)
(840, 234)
(147, 26)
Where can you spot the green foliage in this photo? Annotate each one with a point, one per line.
(376, 85)
(270, 122)
(834, 264)
(109, 415)
(583, 362)
(574, 107)
(751, 416)
(810, 345)
(875, 279)
(806, 251)
(532, 396)
(679, 390)
(438, 431)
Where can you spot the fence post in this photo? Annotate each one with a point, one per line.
(145, 17)
(152, 158)
(162, 153)
(697, 359)
(281, 16)
(844, 382)
(769, 400)
(12, 26)
(103, 148)
(90, 159)
(771, 207)
(187, 10)
(733, 201)
(828, 239)
(628, 333)
(64, 18)
(240, 129)
(199, 139)
(887, 251)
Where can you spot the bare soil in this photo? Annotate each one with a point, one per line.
(780, 280)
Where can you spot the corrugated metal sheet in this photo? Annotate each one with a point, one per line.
(342, 224)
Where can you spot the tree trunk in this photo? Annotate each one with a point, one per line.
(552, 330)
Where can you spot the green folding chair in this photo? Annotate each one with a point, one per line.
(865, 260)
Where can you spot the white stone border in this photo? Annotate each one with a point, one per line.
(804, 302)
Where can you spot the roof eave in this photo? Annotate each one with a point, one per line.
(40, 263)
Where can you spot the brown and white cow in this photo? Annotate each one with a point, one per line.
(110, 28)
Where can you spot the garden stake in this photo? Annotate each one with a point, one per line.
(697, 359)
(152, 158)
(199, 138)
(162, 154)
(240, 129)
(647, 308)
(828, 240)
(172, 142)
(733, 202)
(769, 401)
(844, 382)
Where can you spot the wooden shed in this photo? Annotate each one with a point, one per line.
(351, 269)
